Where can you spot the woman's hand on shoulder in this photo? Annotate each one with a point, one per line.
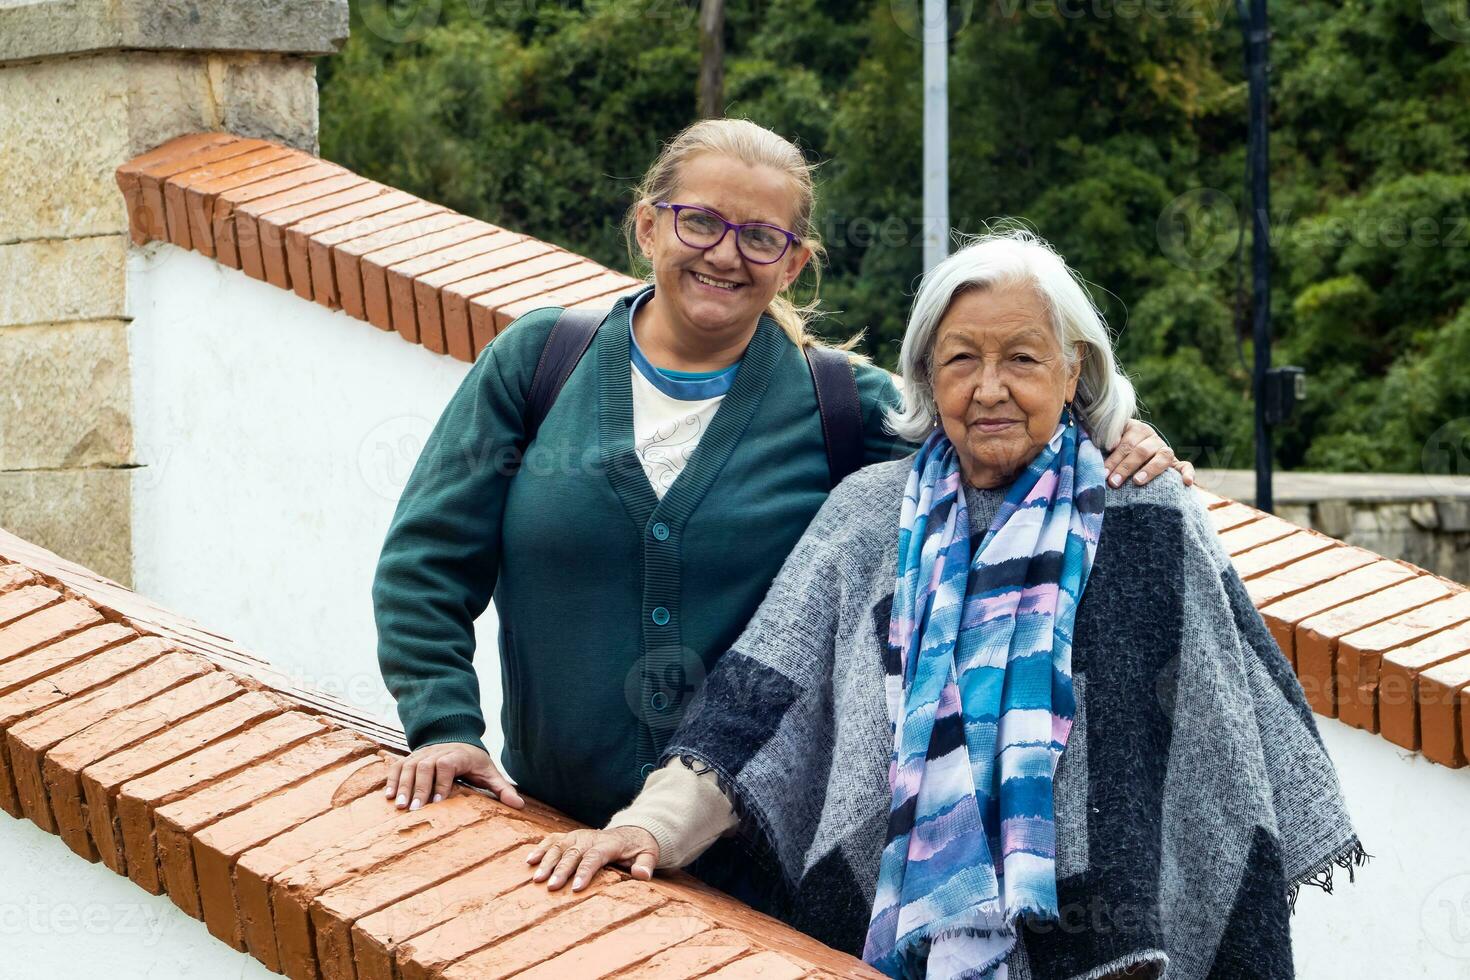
(427, 774)
(1143, 454)
(582, 853)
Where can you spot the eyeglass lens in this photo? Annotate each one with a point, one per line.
(700, 229)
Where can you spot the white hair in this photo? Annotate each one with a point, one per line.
(1105, 399)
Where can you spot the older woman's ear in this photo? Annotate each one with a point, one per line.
(1074, 373)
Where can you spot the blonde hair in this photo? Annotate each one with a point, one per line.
(756, 146)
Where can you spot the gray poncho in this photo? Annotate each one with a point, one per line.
(1192, 801)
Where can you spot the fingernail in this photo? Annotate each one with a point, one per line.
(1115, 480)
(1138, 478)
(438, 797)
(576, 883)
(415, 804)
(554, 882)
(402, 800)
(388, 791)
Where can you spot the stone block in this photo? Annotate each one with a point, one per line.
(67, 396)
(60, 186)
(1453, 515)
(1334, 518)
(81, 514)
(59, 279)
(45, 28)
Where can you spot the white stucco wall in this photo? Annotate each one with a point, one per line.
(274, 437)
(1408, 913)
(62, 918)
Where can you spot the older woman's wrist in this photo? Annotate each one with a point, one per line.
(682, 810)
(666, 837)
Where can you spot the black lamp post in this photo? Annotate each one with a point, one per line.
(1276, 389)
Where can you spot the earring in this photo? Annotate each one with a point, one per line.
(1071, 414)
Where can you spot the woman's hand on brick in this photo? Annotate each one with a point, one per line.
(427, 774)
(580, 854)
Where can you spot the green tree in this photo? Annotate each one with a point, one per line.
(1101, 125)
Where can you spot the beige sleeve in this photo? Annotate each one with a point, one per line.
(685, 812)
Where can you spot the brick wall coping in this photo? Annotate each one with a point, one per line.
(175, 757)
(435, 277)
(184, 763)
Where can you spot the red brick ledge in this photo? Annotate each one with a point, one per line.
(259, 810)
(1380, 645)
(111, 602)
(433, 276)
(177, 758)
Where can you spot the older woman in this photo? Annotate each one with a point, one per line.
(967, 733)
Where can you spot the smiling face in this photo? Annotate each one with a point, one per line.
(715, 291)
(1000, 381)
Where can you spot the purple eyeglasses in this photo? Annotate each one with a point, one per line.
(703, 229)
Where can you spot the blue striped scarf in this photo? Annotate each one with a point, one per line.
(986, 661)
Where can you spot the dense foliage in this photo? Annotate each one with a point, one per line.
(1116, 128)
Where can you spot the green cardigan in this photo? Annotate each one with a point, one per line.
(613, 603)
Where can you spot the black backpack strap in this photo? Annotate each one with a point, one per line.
(840, 407)
(568, 340)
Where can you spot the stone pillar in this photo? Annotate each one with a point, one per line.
(84, 86)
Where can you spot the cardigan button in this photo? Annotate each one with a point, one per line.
(660, 615)
(647, 768)
(660, 701)
(661, 531)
